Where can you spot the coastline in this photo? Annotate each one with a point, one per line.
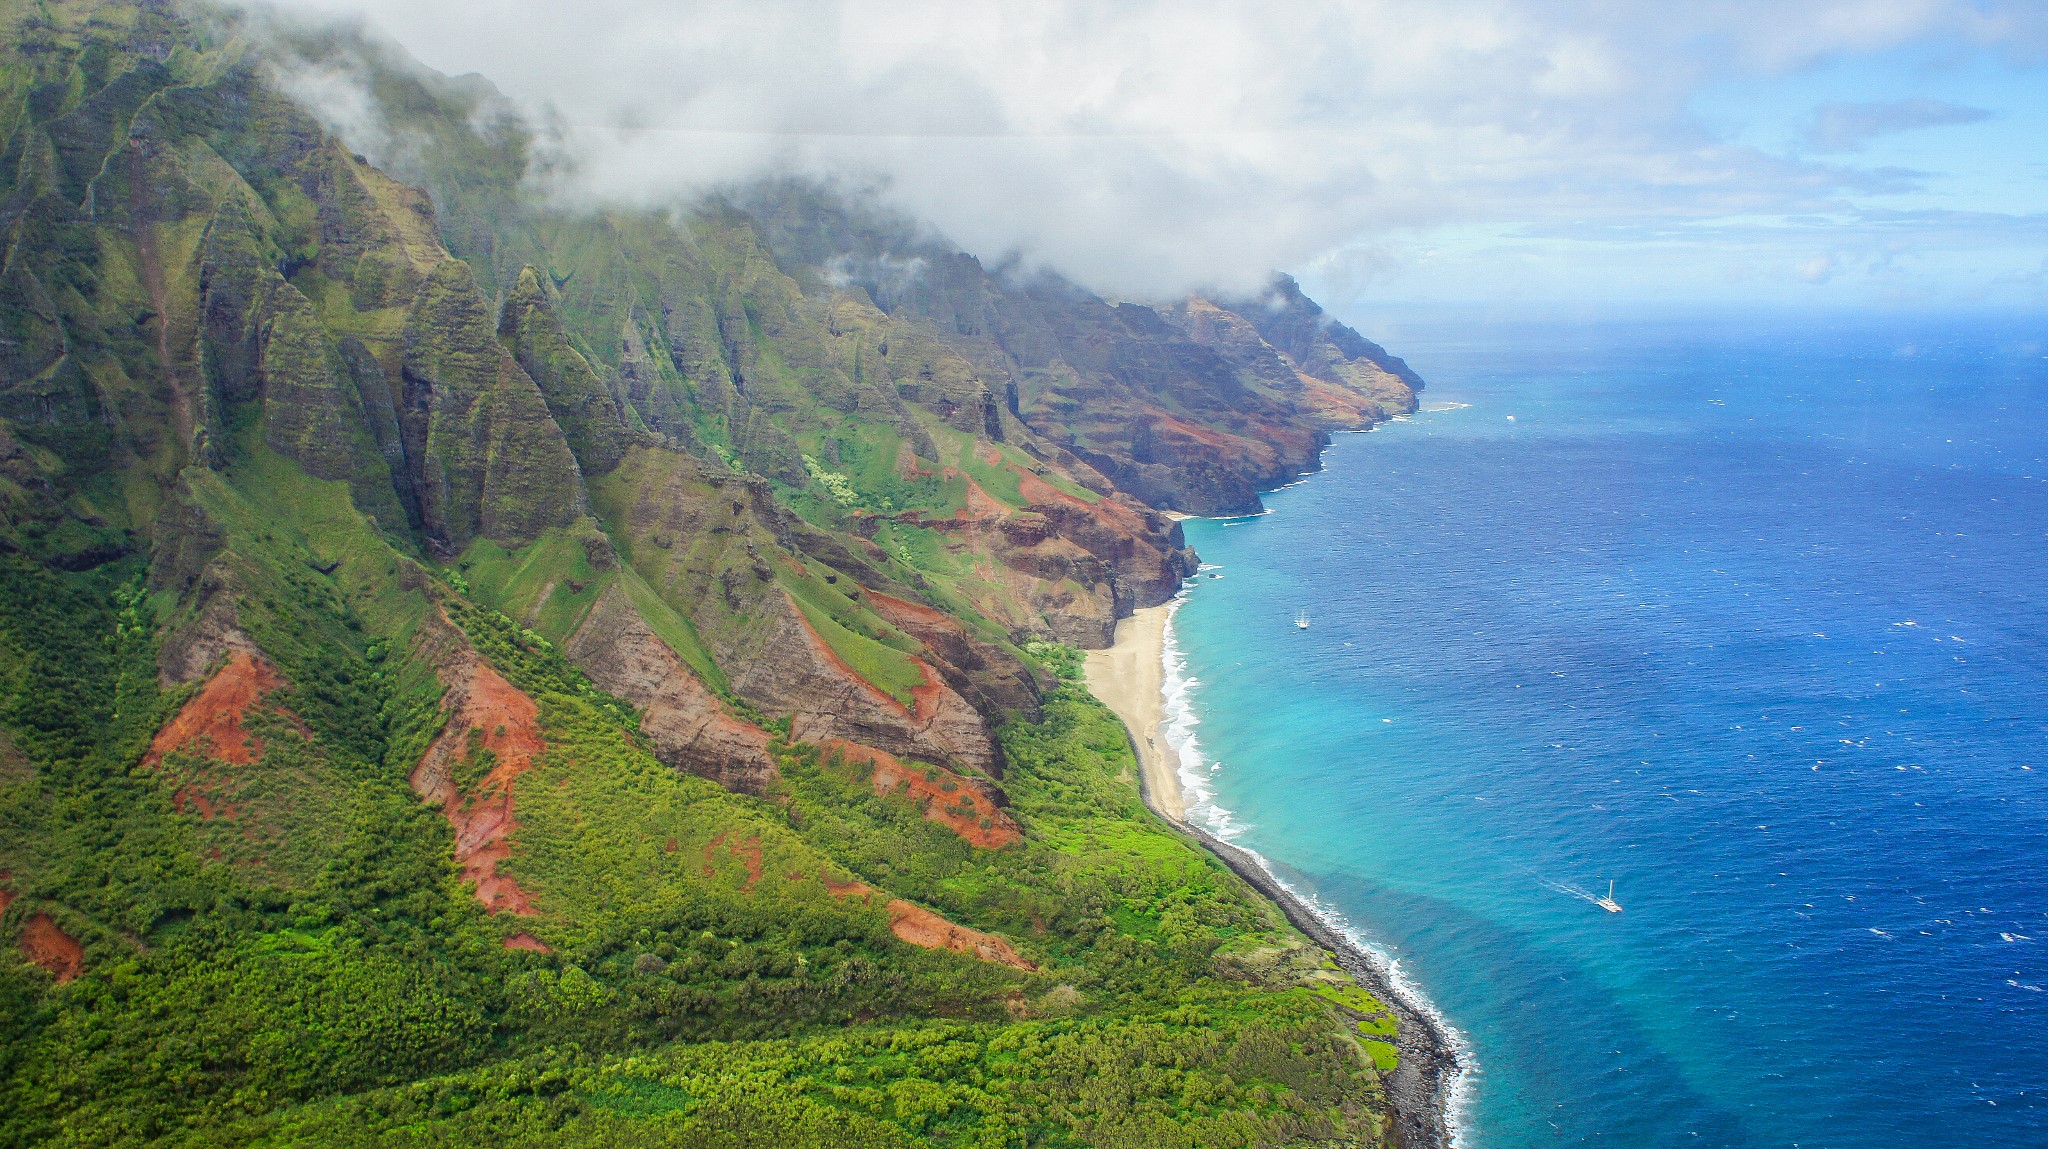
(1129, 678)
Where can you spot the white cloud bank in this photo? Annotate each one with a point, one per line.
(1148, 145)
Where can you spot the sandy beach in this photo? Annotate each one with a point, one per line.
(1127, 678)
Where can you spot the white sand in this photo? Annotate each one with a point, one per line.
(1127, 678)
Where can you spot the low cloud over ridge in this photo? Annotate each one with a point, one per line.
(1145, 147)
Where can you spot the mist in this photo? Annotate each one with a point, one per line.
(1148, 148)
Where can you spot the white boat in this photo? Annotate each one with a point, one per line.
(1301, 619)
(1608, 903)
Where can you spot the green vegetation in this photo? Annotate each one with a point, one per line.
(998, 468)
(674, 630)
(294, 534)
(835, 484)
(1200, 1074)
(395, 976)
(550, 582)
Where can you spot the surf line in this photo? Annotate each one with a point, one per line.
(1432, 1087)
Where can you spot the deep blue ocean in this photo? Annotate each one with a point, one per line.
(1746, 616)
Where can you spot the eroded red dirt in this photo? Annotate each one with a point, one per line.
(47, 945)
(897, 609)
(748, 851)
(527, 942)
(923, 928)
(211, 722)
(925, 695)
(508, 723)
(1173, 426)
(1037, 490)
(907, 466)
(962, 809)
(7, 895)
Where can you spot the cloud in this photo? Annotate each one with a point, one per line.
(1847, 127)
(1817, 269)
(1143, 146)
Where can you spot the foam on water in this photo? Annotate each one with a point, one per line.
(1655, 629)
(1178, 726)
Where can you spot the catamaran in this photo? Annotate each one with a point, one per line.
(1608, 903)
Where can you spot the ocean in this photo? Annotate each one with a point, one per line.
(1744, 615)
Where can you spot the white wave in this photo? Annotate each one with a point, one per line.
(1179, 723)
(1441, 406)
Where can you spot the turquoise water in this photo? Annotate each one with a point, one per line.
(1746, 618)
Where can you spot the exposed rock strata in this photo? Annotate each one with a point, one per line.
(826, 699)
(487, 458)
(586, 411)
(983, 673)
(684, 722)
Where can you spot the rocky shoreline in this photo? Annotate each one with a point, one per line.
(1420, 1087)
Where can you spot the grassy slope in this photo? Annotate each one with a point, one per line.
(1126, 1041)
(1127, 918)
(316, 973)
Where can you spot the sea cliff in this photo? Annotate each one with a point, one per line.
(548, 676)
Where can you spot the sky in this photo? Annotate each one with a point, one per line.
(1604, 153)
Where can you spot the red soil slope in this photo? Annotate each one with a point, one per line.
(963, 809)
(923, 928)
(981, 505)
(480, 699)
(52, 948)
(930, 699)
(211, 723)
(902, 611)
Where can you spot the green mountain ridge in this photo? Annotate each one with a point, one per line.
(477, 673)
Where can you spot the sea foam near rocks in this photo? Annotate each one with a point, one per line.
(1179, 723)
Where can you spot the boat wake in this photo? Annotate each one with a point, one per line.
(1572, 890)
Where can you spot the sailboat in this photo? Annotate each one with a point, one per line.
(1301, 619)
(1608, 903)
